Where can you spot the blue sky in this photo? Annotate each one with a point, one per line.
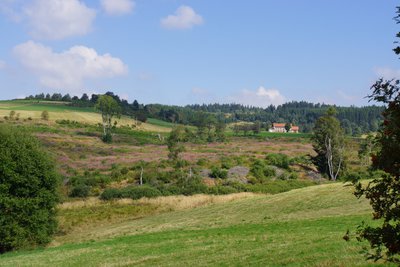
(256, 52)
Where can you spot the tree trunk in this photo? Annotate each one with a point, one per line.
(141, 176)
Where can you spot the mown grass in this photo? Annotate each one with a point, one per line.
(302, 227)
(160, 123)
(63, 111)
(29, 105)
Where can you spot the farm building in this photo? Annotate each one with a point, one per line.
(280, 128)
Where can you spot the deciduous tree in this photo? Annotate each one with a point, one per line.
(109, 108)
(28, 191)
(328, 142)
(384, 193)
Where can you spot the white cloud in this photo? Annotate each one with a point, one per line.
(68, 69)
(387, 73)
(58, 19)
(184, 18)
(117, 7)
(260, 98)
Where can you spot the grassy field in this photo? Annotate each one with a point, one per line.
(61, 111)
(302, 227)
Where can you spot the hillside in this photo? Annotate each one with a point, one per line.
(303, 227)
(63, 111)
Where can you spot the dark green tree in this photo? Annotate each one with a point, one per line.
(384, 193)
(109, 108)
(175, 143)
(256, 127)
(220, 131)
(28, 191)
(288, 126)
(328, 142)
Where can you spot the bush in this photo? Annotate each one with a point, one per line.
(80, 190)
(45, 115)
(222, 190)
(28, 192)
(278, 160)
(218, 173)
(134, 192)
(269, 171)
(137, 192)
(107, 138)
(227, 163)
(111, 193)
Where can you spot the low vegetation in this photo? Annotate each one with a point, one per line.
(299, 228)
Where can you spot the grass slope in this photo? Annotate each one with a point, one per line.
(62, 111)
(302, 227)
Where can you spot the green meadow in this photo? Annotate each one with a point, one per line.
(303, 227)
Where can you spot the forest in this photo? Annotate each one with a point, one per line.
(354, 120)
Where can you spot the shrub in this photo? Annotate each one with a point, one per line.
(124, 171)
(227, 163)
(134, 192)
(257, 169)
(28, 191)
(137, 192)
(111, 193)
(80, 190)
(202, 162)
(278, 160)
(107, 138)
(218, 173)
(45, 115)
(222, 190)
(269, 171)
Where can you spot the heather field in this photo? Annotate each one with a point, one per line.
(292, 217)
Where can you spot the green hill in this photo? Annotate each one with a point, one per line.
(302, 227)
(32, 109)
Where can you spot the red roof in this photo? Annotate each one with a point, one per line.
(279, 125)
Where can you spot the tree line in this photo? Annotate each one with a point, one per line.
(354, 120)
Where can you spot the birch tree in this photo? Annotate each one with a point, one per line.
(109, 108)
(329, 144)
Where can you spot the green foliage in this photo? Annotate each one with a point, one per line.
(328, 142)
(222, 190)
(138, 192)
(384, 193)
(133, 192)
(278, 160)
(367, 147)
(109, 108)
(28, 191)
(80, 190)
(217, 172)
(45, 115)
(227, 162)
(174, 143)
(111, 193)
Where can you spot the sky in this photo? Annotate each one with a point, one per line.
(256, 52)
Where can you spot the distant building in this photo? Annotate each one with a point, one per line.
(294, 129)
(280, 128)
